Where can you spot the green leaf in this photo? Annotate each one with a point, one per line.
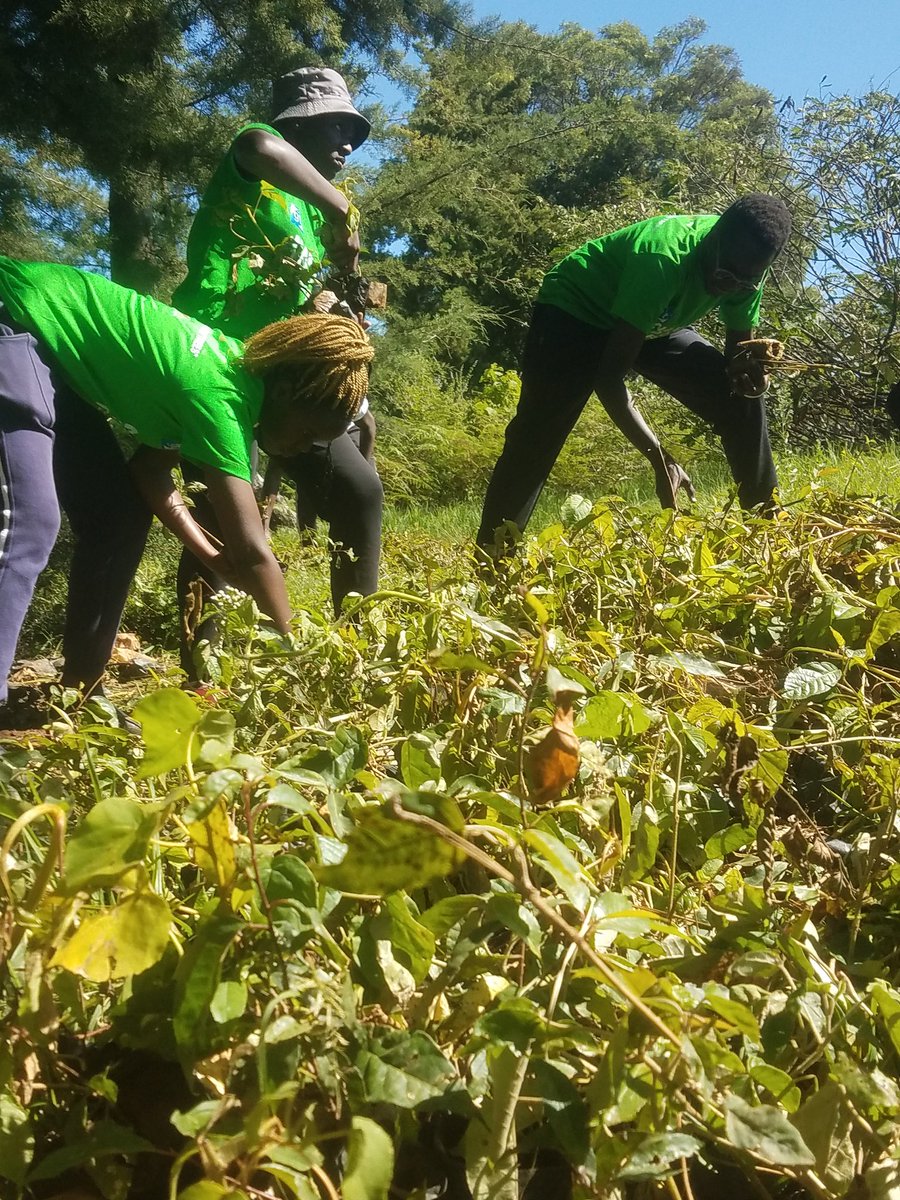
(215, 738)
(208, 1189)
(196, 980)
(287, 877)
(101, 1140)
(229, 1001)
(168, 719)
(826, 1126)
(778, 1083)
(561, 864)
(575, 508)
(120, 941)
(514, 1022)
(284, 796)
(883, 1181)
(765, 1133)
(602, 717)
(449, 911)
(407, 937)
(723, 843)
(886, 1003)
(885, 626)
(655, 1155)
(419, 763)
(557, 683)
(337, 762)
(113, 837)
(16, 1141)
(195, 1119)
(812, 679)
(370, 1162)
(566, 1109)
(735, 1013)
(405, 1070)
(385, 853)
(644, 844)
(691, 664)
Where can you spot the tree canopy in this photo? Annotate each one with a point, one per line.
(143, 96)
(521, 145)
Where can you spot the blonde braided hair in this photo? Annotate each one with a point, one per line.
(325, 356)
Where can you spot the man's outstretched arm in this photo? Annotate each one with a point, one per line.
(623, 345)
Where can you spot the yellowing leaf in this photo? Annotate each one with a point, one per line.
(385, 854)
(213, 839)
(273, 194)
(121, 941)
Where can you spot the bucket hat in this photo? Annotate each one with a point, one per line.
(315, 92)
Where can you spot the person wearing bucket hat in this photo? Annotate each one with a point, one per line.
(269, 218)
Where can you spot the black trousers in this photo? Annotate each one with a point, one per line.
(109, 522)
(335, 483)
(559, 368)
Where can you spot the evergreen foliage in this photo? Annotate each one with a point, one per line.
(144, 97)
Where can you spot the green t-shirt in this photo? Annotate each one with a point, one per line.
(172, 381)
(647, 274)
(242, 294)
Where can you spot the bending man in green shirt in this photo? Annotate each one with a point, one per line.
(626, 302)
(266, 222)
(186, 391)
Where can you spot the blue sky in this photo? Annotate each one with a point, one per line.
(787, 46)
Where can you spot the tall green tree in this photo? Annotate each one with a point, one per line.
(521, 145)
(844, 163)
(142, 94)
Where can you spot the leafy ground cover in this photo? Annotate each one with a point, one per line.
(314, 939)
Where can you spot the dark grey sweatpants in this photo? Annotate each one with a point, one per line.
(56, 450)
(29, 512)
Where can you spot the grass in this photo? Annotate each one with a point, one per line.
(872, 472)
(439, 534)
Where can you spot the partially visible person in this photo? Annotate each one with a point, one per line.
(892, 404)
(187, 392)
(266, 222)
(626, 303)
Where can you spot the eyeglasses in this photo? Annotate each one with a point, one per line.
(726, 281)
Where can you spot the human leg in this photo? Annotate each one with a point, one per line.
(558, 369)
(193, 577)
(337, 483)
(354, 507)
(687, 367)
(29, 511)
(109, 522)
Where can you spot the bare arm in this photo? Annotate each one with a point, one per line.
(152, 472)
(268, 495)
(253, 565)
(619, 356)
(262, 156)
(366, 425)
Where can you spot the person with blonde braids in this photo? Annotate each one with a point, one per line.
(184, 391)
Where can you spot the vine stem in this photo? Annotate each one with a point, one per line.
(523, 884)
(676, 820)
(246, 794)
(52, 859)
(540, 657)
